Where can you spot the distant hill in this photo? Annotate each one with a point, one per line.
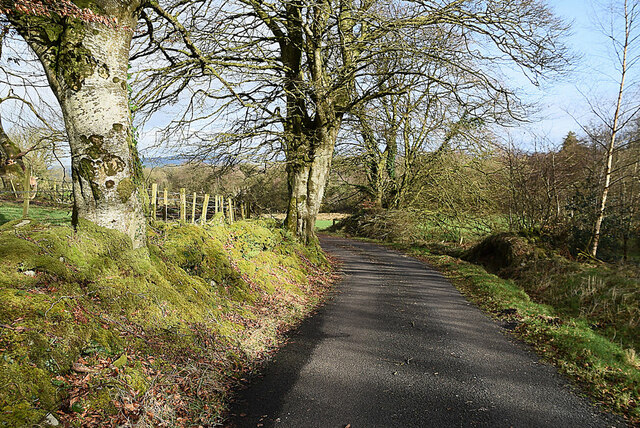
(163, 161)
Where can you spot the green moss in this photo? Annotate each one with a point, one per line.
(125, 189)
(25, 393)
(99, 399)
(136, 379)
(197, 293)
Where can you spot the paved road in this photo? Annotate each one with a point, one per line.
(398, 346)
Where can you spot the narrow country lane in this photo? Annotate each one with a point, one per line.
(398, 346)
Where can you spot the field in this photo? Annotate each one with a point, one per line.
(323, 224)
(13, 211)
(62, 216)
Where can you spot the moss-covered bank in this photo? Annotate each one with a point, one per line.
(95, 333)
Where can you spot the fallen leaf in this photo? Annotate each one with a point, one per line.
(80, 368)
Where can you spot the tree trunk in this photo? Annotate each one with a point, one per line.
(612, 140)
(86, 64)
(307, 181)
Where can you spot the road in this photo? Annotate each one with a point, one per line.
(399, 346)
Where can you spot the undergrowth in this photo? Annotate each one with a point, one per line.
(95, 333)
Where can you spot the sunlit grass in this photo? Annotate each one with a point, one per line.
(323, 224)
(58, 216)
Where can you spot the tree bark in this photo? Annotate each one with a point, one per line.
(307, 178)
(86, 65)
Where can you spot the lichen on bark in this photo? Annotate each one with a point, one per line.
(126, 187)
(86, 64)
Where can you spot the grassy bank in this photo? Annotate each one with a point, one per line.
(96, 334)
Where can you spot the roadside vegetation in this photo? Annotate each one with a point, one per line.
(95, 333)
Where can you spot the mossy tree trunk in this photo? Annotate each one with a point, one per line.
(86, 64)
(314, 109)
(308, 171)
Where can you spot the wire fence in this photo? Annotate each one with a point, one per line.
(52, 201)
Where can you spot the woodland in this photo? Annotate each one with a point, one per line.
(401, 96)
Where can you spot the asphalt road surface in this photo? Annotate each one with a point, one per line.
(398, 346)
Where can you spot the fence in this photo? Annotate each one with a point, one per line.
(193, 207)
(52, 200)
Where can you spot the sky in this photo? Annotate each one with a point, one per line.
(562, 104)
(563, 101)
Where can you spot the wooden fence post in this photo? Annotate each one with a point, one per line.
(216, 203)
(13, 188)
(230, 202)
(183, 205)
(193, 209)
(154, 200)
(205, 207)
(26, 187)
(166, 205)
(243, 211)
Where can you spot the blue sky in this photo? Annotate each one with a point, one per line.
(594, 75)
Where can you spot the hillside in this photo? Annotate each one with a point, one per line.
(96, 334)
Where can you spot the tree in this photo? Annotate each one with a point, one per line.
(298, 68)
(325, 83)
(622, 114)
(29, 149)
(85, 53)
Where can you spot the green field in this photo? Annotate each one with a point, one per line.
(12, 211)
(323, 224)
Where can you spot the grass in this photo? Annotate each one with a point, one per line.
(605, 296)
(13, 211)
(323, 224)
(98, 334)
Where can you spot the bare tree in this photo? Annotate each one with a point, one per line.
(622, 44)
(295, 69)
